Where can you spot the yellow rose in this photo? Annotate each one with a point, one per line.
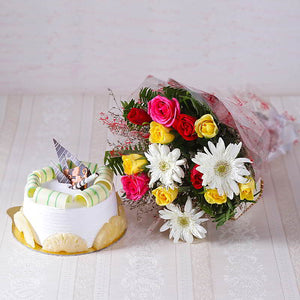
(160, 134)
(133, 163)
(165, 196)
(212, 197)
(206, 127)
(247, 189)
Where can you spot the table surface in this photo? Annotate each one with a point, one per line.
(255, 257)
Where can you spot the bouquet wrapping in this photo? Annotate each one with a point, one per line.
(194, 154)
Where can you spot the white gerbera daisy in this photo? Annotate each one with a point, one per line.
(221, 169)
(183, 225)
(164, 165)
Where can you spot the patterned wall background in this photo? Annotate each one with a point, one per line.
(86, 46)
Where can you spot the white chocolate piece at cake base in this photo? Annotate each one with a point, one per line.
(23, 226)
(66, 242)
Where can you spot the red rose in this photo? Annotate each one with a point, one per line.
(196, 178)
(184, 124)
(138, 116)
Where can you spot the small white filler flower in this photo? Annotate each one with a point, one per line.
(183, 225)
(221, 169)
(164, 165)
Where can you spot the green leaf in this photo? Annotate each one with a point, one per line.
(230, 205)
(145, 95)
(114, 163)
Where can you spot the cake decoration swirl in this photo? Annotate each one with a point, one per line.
(51, 198)
(36, 178)
(45, 174)
(33, 181)
(92, 195)
(105, 177)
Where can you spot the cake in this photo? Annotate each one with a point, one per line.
(62, 215)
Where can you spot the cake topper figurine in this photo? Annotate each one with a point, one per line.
(78, 176)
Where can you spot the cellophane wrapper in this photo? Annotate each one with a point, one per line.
(264, 132)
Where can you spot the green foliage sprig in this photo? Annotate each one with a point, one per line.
(145, 95)
(114, 163)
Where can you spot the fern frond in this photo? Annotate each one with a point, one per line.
(179, 94)
(114, 163)
(145, 95)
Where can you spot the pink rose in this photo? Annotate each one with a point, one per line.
(163, 110)
(135, 186)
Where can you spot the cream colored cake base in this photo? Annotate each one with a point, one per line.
(107, 235)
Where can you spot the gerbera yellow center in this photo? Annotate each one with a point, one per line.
(183, 221)
(222, 168)
(164, 166)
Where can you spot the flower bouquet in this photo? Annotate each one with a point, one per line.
(189, 153)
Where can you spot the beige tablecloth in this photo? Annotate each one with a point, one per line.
(255, 257)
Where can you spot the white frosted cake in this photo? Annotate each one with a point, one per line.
(58, 219)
